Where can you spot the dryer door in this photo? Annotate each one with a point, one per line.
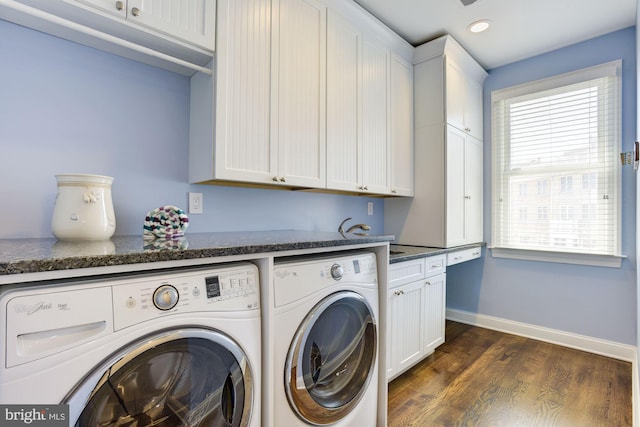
(331, 358)
(189, 377)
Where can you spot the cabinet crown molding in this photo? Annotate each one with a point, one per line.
(448, 46)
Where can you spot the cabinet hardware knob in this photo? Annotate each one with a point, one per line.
(119, 5)
(394, 191)
(274, 179)
(398, 293)
(282, 179)
(366, 188)
(467, 197)
(428, 283)
(468, 129)
(135, 11)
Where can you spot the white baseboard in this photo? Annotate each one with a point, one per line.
(612, 349)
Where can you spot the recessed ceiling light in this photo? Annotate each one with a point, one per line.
(478, 26)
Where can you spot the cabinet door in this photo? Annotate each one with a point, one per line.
(473, 108)
(243, 149)
(455, 183)
(343, 67)
(434, 311)
(405, 328)
(375, 119)
(455, 94)
(463, 100)
(192, 21)
(401, 127)
(109, 6)
(299, 40)
(473, 190)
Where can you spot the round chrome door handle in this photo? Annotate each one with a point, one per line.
(135, 11)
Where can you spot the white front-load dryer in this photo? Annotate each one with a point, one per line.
(178, 348)
(325, 341)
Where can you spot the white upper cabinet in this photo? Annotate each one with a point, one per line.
(269, 110)
(176, 35)
(402, 179)
(446, 210)
(369, 109)
(298, 91)
(242, 108)
(192, 21)
(357, 110)
(302, 98)
(375, 118)
(344, 145)
(463, 96)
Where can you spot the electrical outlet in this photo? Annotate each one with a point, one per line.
(195, 203)
(370, 208)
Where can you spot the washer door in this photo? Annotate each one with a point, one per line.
(331, 358)
(187, 377)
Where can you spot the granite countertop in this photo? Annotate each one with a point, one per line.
(400, 253)
(19, 256)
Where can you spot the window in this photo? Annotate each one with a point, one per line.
(563, 134)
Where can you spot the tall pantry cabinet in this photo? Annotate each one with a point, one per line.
(447, 208)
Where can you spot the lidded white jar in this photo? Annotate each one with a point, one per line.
(83, 209)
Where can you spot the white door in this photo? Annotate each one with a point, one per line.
(243, 149)
(343, 142)
(114, 7)
(473, 190)
(192, 21)
(434, 310)
(298, 107)
(402, 158)
(406, 317)
(455, 193)
(375, 118)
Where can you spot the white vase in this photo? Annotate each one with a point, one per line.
(83, 209)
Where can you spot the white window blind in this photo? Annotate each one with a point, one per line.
(556, 173)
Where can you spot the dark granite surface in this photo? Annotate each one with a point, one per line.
(19, 256)
(399, 253)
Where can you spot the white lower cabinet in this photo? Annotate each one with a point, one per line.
(415, 311)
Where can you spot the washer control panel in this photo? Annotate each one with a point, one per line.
(230, 288)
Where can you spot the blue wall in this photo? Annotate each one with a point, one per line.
(592, 301)
(66, 108)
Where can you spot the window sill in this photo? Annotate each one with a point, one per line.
(610, 261)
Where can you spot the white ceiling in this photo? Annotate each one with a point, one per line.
(519, 28)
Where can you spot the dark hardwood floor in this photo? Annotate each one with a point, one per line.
(481, 377)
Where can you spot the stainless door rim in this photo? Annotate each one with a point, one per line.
(87, 386)
(312, 411)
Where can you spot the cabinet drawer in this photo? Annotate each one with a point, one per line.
(406, 272)
(435, 265)
(463, 255)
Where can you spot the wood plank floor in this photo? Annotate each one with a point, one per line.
(481, 377)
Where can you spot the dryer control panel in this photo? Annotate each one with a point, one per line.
(293, 280)
(233, 288)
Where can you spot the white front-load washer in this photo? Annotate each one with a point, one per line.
(177, 348)
(325, 341)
